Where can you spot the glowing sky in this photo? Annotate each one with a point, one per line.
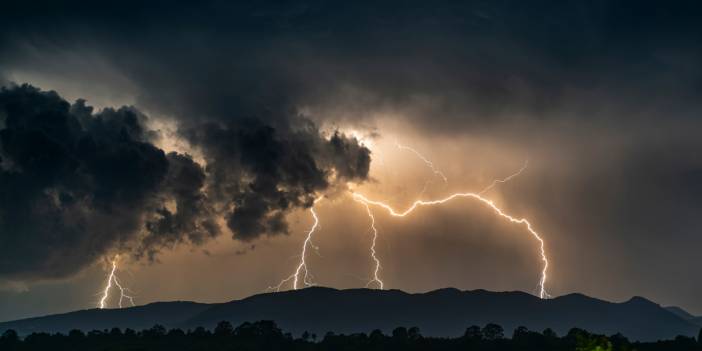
(601, 99)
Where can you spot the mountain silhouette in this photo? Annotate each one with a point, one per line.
(696, 320)
(680, 312)
(444, 312)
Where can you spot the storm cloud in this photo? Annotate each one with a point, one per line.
(73, 184)
(472, 64)
(259, 173)
(76, 185)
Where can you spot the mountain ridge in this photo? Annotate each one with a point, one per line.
(442, 312)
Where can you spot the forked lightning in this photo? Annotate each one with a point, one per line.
(302, 265)
(542, 281)
(378, 267)
(113, 279)
(376, 260)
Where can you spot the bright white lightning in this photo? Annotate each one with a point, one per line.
(306, 275)
(302, 266)
(378, 267)
(424, 159)
(376, 271)
(112, 278)
(542, 281)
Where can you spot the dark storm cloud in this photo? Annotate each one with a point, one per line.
(75, 184)
(471, 63)
(260, 172)
(193, 217)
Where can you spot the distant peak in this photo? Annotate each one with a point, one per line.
(640, 300)
(316, 288)
(572, 296)
(680, 312)
(445, 291)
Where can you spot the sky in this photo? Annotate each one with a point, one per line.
(192, 141)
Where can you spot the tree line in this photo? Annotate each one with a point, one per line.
(266, 335)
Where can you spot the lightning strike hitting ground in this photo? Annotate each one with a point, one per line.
(302, 266)
(112, 278)
(378, 267)
(374, 256)
(307, 277)
(542, 281)
(430, 164)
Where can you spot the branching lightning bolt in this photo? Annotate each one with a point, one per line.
(112, 278)
(303, 270)
(302, 266)
(489, 203)
(359, 198)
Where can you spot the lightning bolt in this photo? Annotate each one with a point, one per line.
(376, 279)
(542, 281)
(112, 278)
(504, 180)
(424, 159)
(302, 269)
(378, 267)
(302, 265)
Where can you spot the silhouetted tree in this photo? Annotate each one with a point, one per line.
(76, 335)
(550, 339)
(619, 342)
(550, 334)
(520, 332)
(175, 333)
(9, 339)
(492, 332)
(261, 330)
(156, 331)
(200, 333)
(265, 335)
(93, 334)
(699, 337)
(580, 340)
(130, 333)
(575, 333)
(223, 329)
(399, 334)
(115, 332)
(414, 334)
(473, 333)
(685, 342)
(376, 336)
